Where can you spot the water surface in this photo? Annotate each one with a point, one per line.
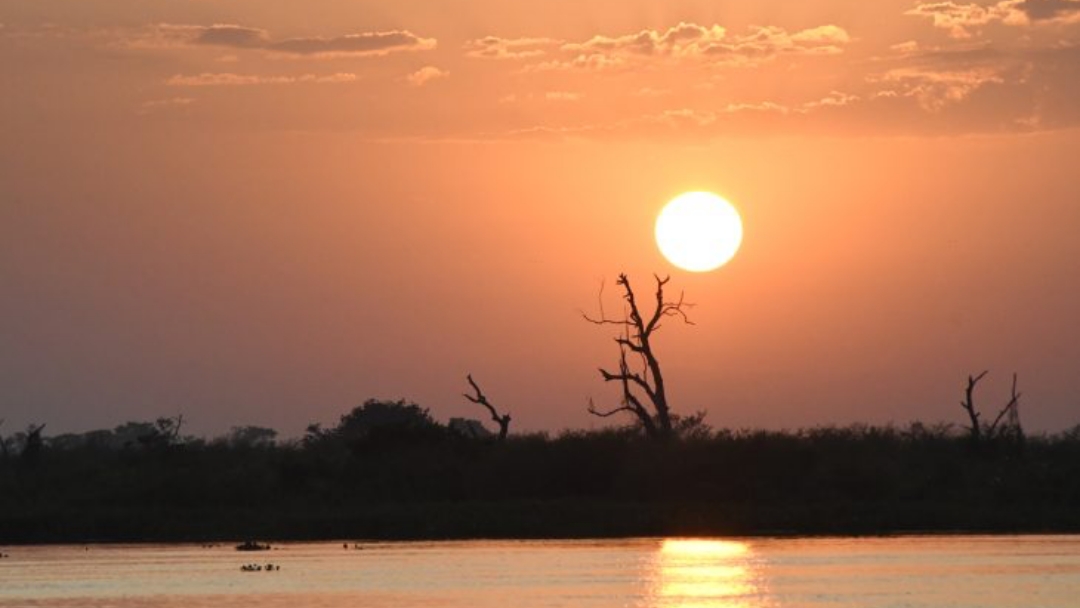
(937, 572)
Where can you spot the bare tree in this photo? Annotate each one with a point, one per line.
(31, 450)
(969, 406)
(1010, 413)
(643, 392)
(503, 421)
(163, 433)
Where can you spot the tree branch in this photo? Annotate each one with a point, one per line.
(609, 413)
(969, 404)
(481, 399)
(1005, 410)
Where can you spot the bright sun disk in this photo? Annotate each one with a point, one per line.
(699, 231)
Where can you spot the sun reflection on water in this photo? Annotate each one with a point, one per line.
(699, 573)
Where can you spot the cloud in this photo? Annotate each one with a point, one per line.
(232, 36)
(682, 117)
(549, 96)
(162, 104)
(905, 48)
(1051, 10)
(935, 89)
(235, 80)
(690, 41)
(756, 107)
(369, 43)
(960, 19)
(593, 61)
(425, 75)
(964, 20)
(493, 47)
(835, 99)
(157, 36)
(693, 123)
(680, 40)
(766, 42)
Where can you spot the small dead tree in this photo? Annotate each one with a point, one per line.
(1010, 416)
(969, 406)
(164, 432)
(645, 378)
(978, 431)
(503, 421)
(33, 444)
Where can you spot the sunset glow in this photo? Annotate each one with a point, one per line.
(258, 212)
(703, 573)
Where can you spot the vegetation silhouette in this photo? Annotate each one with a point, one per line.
(390, 470)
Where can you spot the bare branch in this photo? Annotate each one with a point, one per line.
(176, 429)
(626, 377)
(609, 413)
(630, 345)
(602, 321)
(1013, 402)
(603, 318)
(969, 405)
(481, 399)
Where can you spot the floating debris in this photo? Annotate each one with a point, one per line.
(260, 568)
(251, 545)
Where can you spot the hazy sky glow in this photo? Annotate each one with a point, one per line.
(255, 212)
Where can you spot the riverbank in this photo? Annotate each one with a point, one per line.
(522, 520)
(851, 481)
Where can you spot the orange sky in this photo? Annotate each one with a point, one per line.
(265, 213)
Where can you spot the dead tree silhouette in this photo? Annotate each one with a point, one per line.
(652, 410)
(980, 431)
(503, 421)
(33, 444)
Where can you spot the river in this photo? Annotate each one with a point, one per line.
(910, 572)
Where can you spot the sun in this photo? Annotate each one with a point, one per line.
(699, 231)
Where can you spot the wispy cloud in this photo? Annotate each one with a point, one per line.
(155, 105)
(935, 89)
(494, 47)
(684, 39)
(240, 37)
(590, 61)
(369, 43)
(691, 41)
(965, 20)
(234, 80)
(425, 75)
(1051, 10)
(236, 36)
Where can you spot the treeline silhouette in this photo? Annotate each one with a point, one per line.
(389, 470)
